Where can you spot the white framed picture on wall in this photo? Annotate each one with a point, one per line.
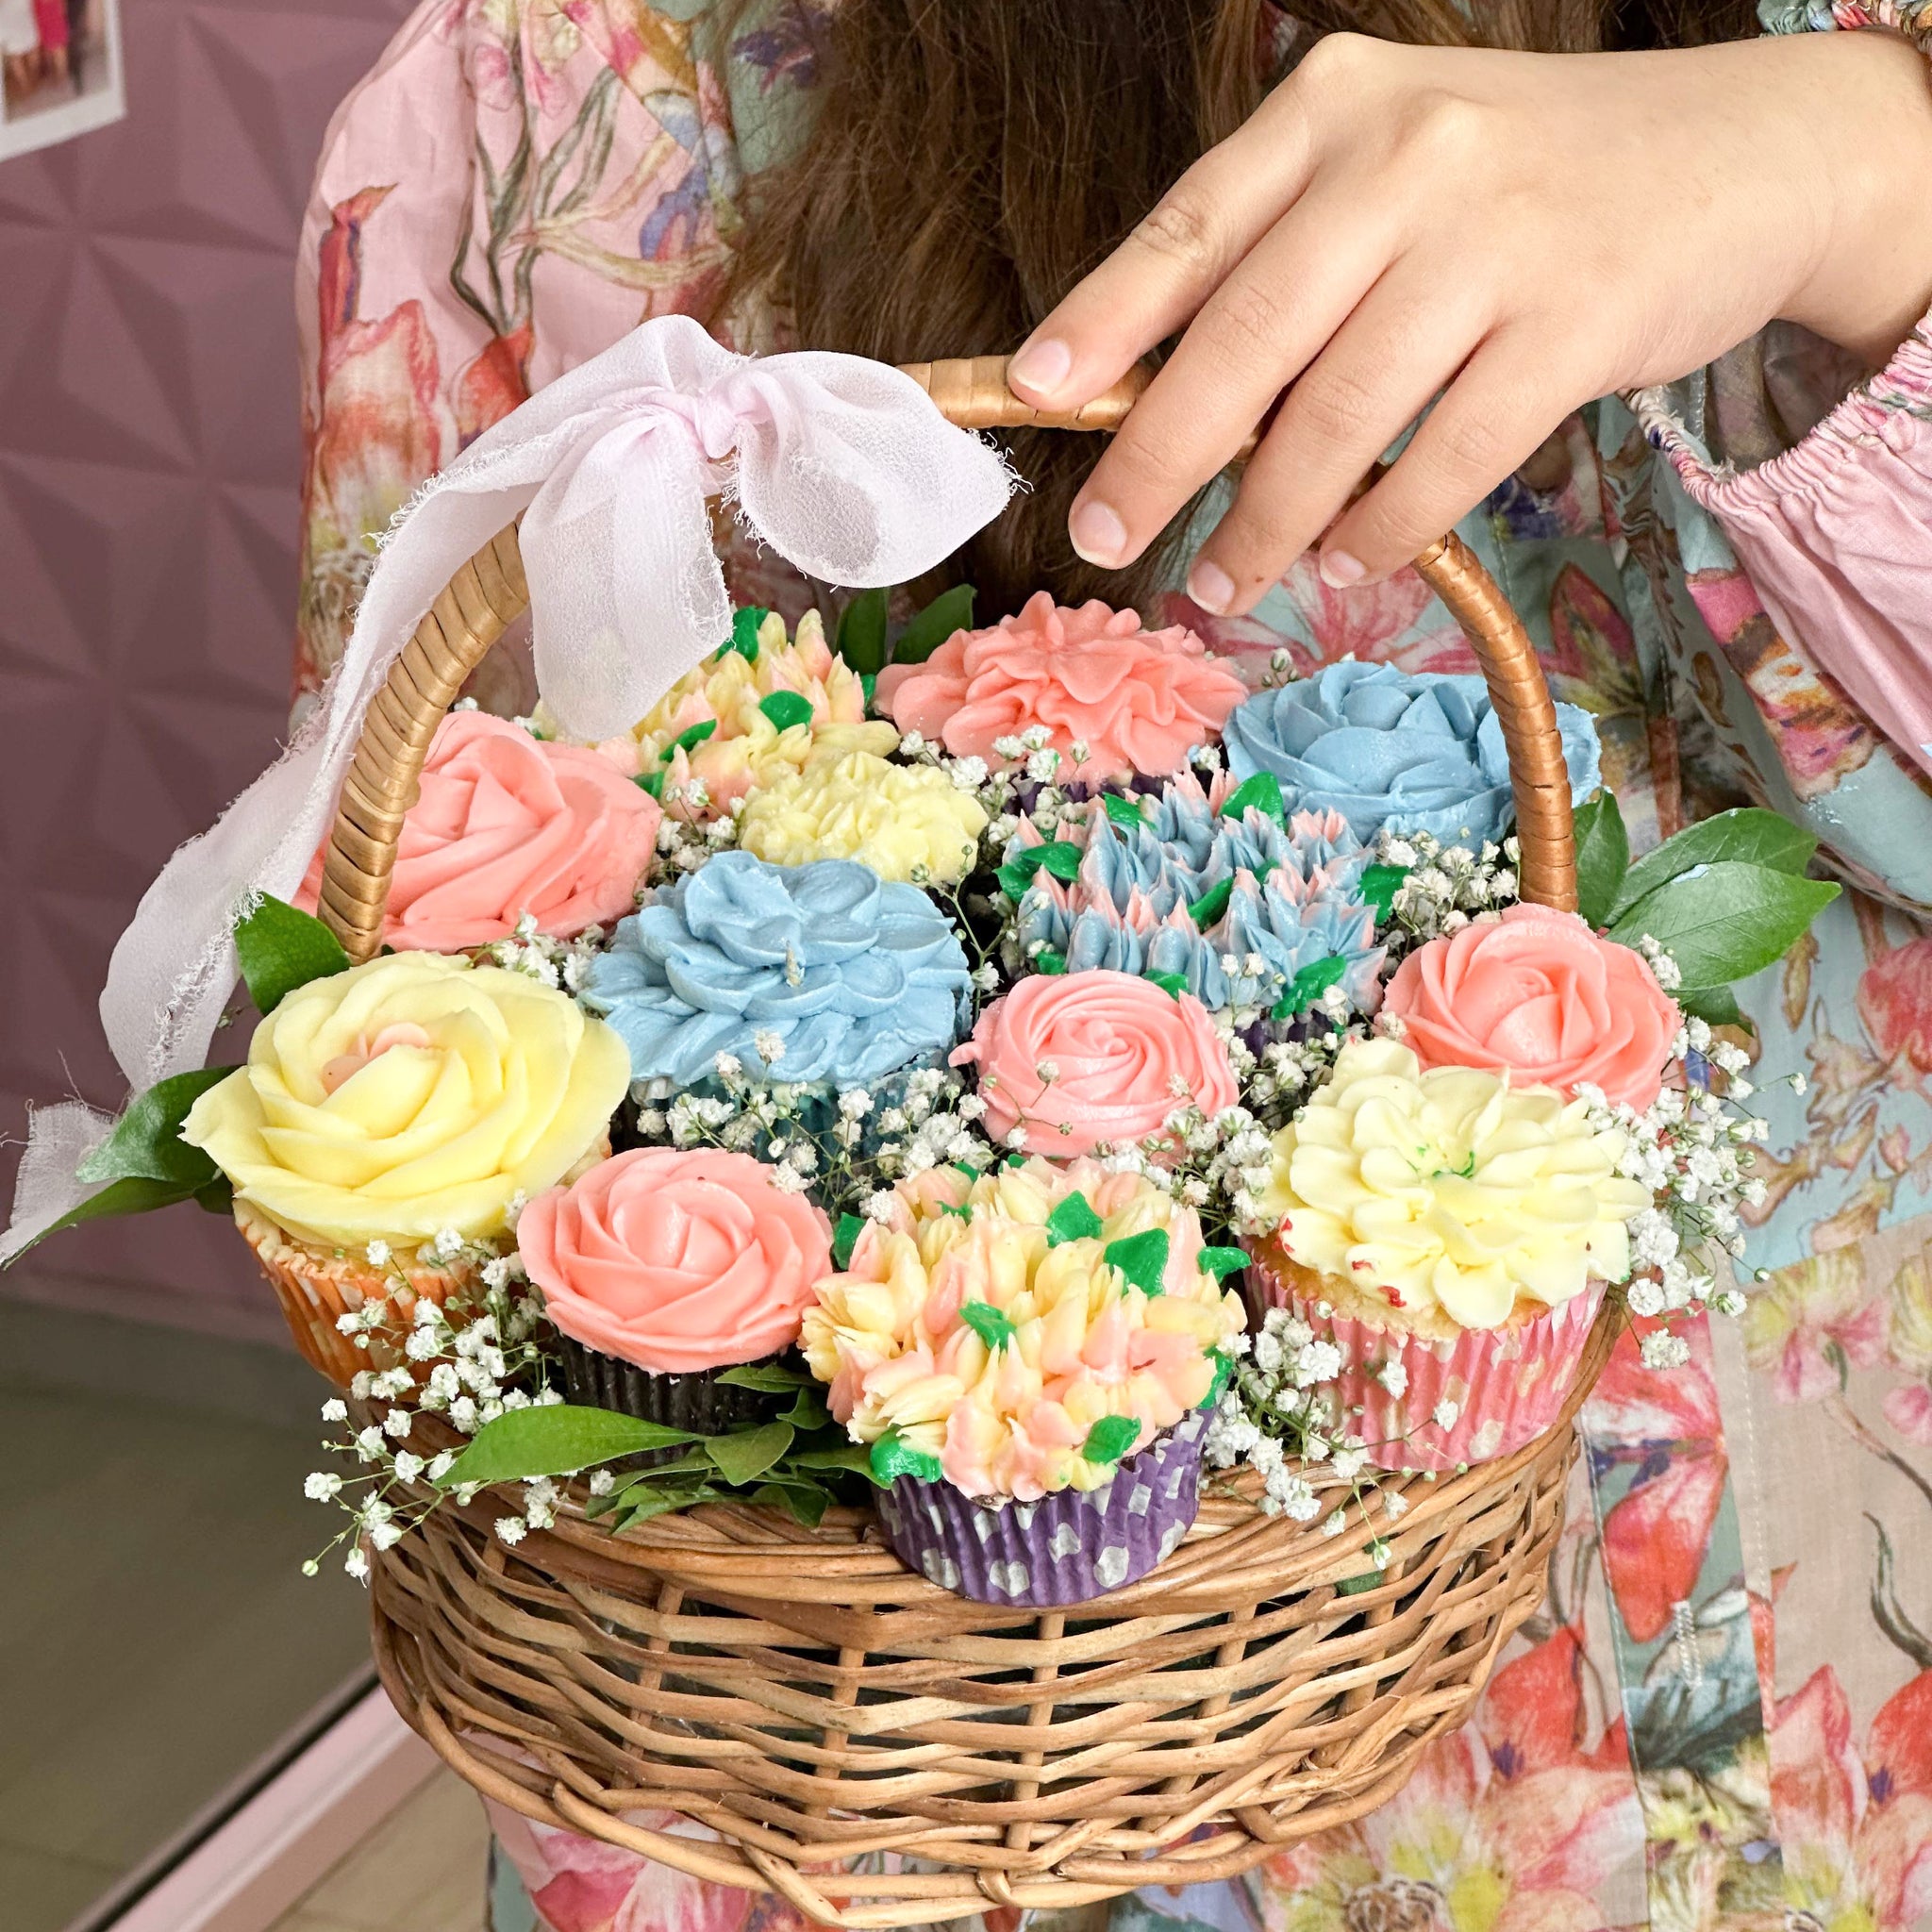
(60, 71)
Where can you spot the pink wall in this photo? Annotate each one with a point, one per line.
(149, 456)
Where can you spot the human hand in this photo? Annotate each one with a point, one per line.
(1520, 233)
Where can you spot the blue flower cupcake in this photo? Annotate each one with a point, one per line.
(1393, 751)
(821, 975)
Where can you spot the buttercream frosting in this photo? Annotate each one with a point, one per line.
(906, 821)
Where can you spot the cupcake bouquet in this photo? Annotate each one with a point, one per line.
(989, 1082)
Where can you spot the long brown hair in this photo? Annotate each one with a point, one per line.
(967, 161)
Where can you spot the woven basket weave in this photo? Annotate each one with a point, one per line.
(848, 1734)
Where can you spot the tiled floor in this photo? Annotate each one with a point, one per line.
(422, 1871)
(157, 1633)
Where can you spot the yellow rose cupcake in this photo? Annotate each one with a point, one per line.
(906, 821)
(1451, 1235)
(391, 1115)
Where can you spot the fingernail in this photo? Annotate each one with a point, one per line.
(1210, 587)
(1341, 571)
(1043, 365)
(1098, 534)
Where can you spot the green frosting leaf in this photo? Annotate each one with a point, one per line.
(557, 1441)
(1309, 985)
(786, 709)
(1221, 1262)
(282, 949)
(1074, 1220)
(845, 1238)
(693, 736)
(1124, 811)
(746, 626)
(1173, 984)
(1262, 793)
(1211, 904)
(1749, 836)
(1059, 858)
(893, 1456)
(1603, 856)
(652, 782)
(1141, 1258)
(1224, 1374)
(950, 611)
(862, 631)
(992, 1325)
(1048, 960)
(1111, 1438)
(1726, 921)
(1380, 886)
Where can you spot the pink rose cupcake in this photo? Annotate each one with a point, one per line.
(1451, 1235)
(1538, 992)
(661, 1267)
(1079, 1059)
(507, 825)
(1138, 700)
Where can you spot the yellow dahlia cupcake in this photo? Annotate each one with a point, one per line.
(391, 1120)
(1453, 1236)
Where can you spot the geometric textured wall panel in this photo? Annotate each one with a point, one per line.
(149, 459)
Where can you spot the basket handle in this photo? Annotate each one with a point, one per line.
(489, 592)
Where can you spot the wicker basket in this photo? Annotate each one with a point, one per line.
(851, 1736)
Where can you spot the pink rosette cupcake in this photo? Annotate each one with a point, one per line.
(1079, 1060)
(1137, 700)
(1451, 1235)
(1537, 992)
(1030, 1356)
(661, 1267)
(506, 825)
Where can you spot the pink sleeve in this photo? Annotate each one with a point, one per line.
(1836, 537)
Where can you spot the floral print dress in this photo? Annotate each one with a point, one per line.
(1722, 1717)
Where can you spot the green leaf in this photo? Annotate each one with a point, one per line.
(1380, 886)
(1716, 1005)
(1749, 836)
(282, 949)
(862, 631)
(1141, 1258)
(1060, 856)
(662, 1501)
(1603, 856)
(807, 1413)
(992, 1325)
(869, 684)
(746, 626)
(1354, 1586)
(1262, 793)
(747, 1454)
(1126, 813)
(1211, 904)
(802, 1504)
(845, 1238)
(850, 1456)
(218, 1196)
(1074, 1220)
(1049, 961)
(137, 1194)
(765, 1376)
(1172, 984)
(146, 1143)
(652, 782)
(1111, 1438)
(1309, 985)
(690, 738)
(950, 611)
(1221, 1262)
(786, 709)
(557, 1441)
(893, 1456)
(1726, 921)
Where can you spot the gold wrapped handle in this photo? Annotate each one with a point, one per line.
(489, 592)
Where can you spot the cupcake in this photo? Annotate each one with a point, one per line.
(1453, 1236)
(755, 711)
(1131, 701)
(1030, 1356)
(391, 1118)
(661, 1268)
(821, 975)
(906, 821)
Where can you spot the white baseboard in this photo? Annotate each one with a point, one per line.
(247, 1873)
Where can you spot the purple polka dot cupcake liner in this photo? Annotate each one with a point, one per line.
(1067, 1548)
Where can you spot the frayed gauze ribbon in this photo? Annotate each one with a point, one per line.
(845, 467)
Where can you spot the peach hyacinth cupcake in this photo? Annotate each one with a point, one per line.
(1453, 1236)
(387, 1121)
(663, 1267)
